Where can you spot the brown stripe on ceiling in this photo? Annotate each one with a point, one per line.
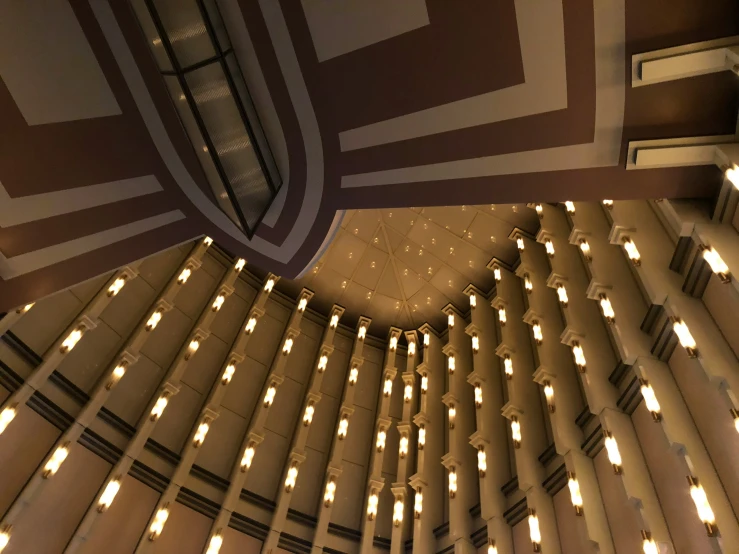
(35, 235)
(573, 125)
(42, 282)
(588, 184)
(469, 48)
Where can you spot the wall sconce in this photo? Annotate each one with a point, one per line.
(343, 427)
(451, 364)
(539, 211)
(269, 396)
(308, 415)
(388, 387)
(473, 300)
(207, 241)
(56, 461)
(353, 375)
(322, 363)
(154, 320)
(502, 317)
(330, 493)
(497, 274)
(403, 448)
(214, 546)
(717, 264)
(111, 490)
(418, 503)
(117, 285)
(579, 356)
(302, 304)
(6, 416)
(23, 310)
(527, 284)
(562, 294)
(159, 405)
(292, 476)
(381, 437)
(421, 436)
(157, 525)
(334, 321)
(288, 346)
(118, 372)
(608, 204)
(250, 325)
(549, 395)
(5, 537)
(570, 207)
(184, 275)
(424, 383)
(393, 344)
(202, 431)
(228, 373)
(516, 432)
(492, 549)
(534, 530)
(549, 246)
(240, 263)
(426, 339)
(248, 457)
(362, 332)
(398, 511)
(650, 400)
(520, 244)
(478, 395)
(72, 339)
(372, 502)
(508, 366)
(408, 393)
(705, 513)
(269, 285)
(411, 348)
(450, 320)
(538, 336)
(452, 415)
(632, 252)
(607, 309)
(192, 348)
(218, 302)
(482, 462)
(452, 482)
(732, 174)
(585, 249)
(614, 456)
(475, 343)
(686, 339)
(575, 496)
(648, 544)
(734, 414)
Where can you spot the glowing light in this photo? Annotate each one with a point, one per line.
(451, 364)
(362, 332)
(686, 339)
(516, 432)
(292, 477)
(452, 482)
(118, 372)
(492, 549)
(393, 343)
(199, 437)
(334, 321)
(508, 366)
(648, 544)
(240, 263)
(608, 203)
(269, 396)
(650, 399)
(228, 373)
(250, 325)
(214, 546)
(372, 506)
(192, 348)
(398, 511)
(562, 294)
(579, 355)
(288, 346)
(478, 395)
(732, 174)
(607, 309)
(56, 461)
(502, 316)
(154, 320)
(207, 241)
(575, 496)
(408, 392)
(473, 300)
(718, 266)
(614, 456)
(157, 525)
(418, 504)
(23, 310)
(534, 530)
(424, 383)
(426, 339)
(403, 447)
(450, 320)
(158, 409)
(528, 285)
(330, 493)
(269, 285)
(184, 276)
(475, 343)
(302, 305)
(549, 395)
(538, 336)
(72, 339)
(539, 210)
(421, 436)
(482, 462)
(6, 416)
(343, 427)
(549, 246)
(520, 244)
(705, 513)
(308, 415)
(117, 285)
(497, 274)
(388, 388)
(4, 539)
(570, 207)
(381, 438)
(585, 249)
(631, 251)
(218, 302)
(452, 415)
(247, 458)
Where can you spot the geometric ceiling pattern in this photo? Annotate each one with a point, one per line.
(401, 266)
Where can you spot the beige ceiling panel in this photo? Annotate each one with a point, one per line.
(128, 307)
(404, 320)
(85, 363)
(516, 215)
(277, 310)
(85, 291)
(262, 478)
(400, 219)
(409, 279)
(308, 493)
(286, 409)
(360, 437)
(394, 239)
(244, 291)
(323, 428)
(203, 368)
(245, 389)
(418, 259)
(223, 443)
(355, 299)
(130, 397)
(347, 512)
(385, 505)
(429, 236)
(451, 284)
(344, 345)
(158, 269)
(384, 310)
(264, 341)
(364, 224)
(40, 327)
(345, 253)
(166, 339)
(227, 323)
(348, 215)
(370, 267)
(195, 293)
(302, 358)
(428, 302)
(330, 283)
(490, 235)
(212, 266)
(388, 284)
(173, 428)
(455, 219)
(186, 531)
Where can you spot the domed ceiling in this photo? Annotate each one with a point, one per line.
(401, 266)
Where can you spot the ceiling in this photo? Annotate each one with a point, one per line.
(525, 102)
(402, 266)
